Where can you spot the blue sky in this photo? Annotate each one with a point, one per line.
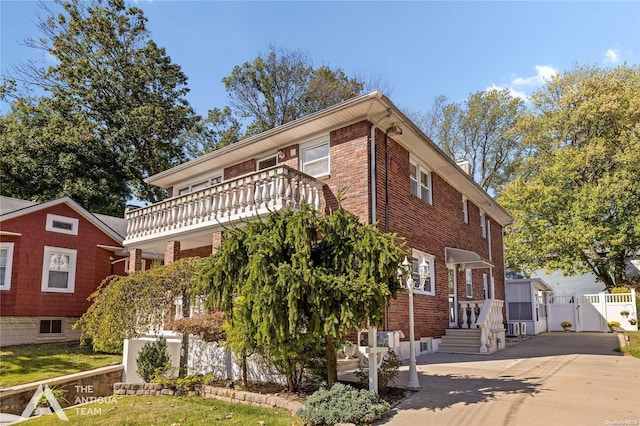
(422, 49)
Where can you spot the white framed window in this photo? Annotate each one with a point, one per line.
(200, 185)
(51, 326)
(469, 283)
(465, 209)
(423, 286)
(62, 224)
(6, 264)
(265, 163)
(483, 225)
(59, 270)
(314, 157)
(485, 286)
(420, 178)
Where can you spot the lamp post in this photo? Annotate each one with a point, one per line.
(413, 382)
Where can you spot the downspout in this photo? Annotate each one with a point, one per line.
(491, 283)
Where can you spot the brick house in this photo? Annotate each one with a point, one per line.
(395, 175)
(53, 255)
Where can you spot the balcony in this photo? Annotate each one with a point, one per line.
(210, 209)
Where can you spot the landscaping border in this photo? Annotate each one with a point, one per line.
(206, 391)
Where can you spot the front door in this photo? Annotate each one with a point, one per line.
(453, 299)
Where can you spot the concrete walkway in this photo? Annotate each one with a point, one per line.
(551, 379)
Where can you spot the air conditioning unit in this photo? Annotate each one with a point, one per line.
(426, 344)
(523, 328)
(514, 329)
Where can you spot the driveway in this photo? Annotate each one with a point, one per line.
(551, 379)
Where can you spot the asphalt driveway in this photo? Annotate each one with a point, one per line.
(552, 379)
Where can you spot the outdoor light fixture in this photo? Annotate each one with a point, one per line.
(413, 382)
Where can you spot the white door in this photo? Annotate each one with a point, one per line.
(453, 299)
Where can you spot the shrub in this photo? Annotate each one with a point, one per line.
(387, 372)
(342, 404)
(620, 290)
(566, 324)
(153, 360)
(613, 325)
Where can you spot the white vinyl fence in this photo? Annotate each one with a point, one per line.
(592, 312)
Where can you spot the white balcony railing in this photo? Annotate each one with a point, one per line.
(242, 198)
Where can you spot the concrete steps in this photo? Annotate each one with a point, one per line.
(460, 341)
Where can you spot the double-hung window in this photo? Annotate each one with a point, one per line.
(422, 285)
(483, 225)
(314, 157)
(465, 209)
(420, 178)
(469, 282)
(59, 270)
(6, 262)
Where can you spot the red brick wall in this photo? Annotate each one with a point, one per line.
(204, 251)
(240, 169)
(93, 264)
(349, 168)
(431, 228)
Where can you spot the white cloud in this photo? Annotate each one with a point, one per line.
(612, 56)
(522, 87)
(543, 74)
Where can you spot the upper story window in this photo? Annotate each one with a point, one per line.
(483, 225)
(314, 157)
(200, 185)
(465, 209)
(420, 182)
(59, 270)
(425, 286)
(6, 263)
(62, 224)
(265, 163)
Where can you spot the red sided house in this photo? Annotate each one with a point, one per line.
(395, 176)
(53, 255)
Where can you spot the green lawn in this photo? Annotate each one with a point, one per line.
(634, 343)
(167, 410)
(31, 363)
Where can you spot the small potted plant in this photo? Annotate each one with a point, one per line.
(633, 321)
(348, 349)
(566, 325)
(624, 313)
(43, 404)
(613, 326)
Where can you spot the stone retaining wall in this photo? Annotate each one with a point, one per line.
(223, 394)
(79, 388)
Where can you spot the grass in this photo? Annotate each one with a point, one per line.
(31, 363)
(634, 344)
(167, 410)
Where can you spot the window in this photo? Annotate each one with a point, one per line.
(315, 158)
(58, 270)
(200, 185)
(6, 262)
(420, 178)
(62, 224)
(423, 286)
(50, 326)
(483, 225)
(265, 163)
(469, 282)
(465, 209)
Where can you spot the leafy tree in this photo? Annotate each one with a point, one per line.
(281, 86)
(577, 205)
(304, 280)
(46, 154)
(108, 70)
(125, 307)
(481, 131)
